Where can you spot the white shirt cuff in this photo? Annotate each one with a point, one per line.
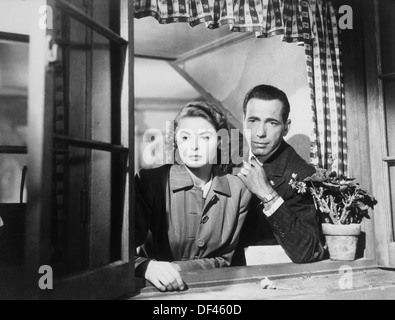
(277, 204)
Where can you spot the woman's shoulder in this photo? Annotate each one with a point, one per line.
(154, 174)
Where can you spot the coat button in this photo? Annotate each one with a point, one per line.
(205, 219)
(200, 243)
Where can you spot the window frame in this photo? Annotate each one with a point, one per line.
(115, 279)
(385, 253)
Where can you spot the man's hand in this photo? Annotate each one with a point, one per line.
(256, 180)
(164, 276)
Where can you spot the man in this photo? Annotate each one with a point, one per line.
(278, 214)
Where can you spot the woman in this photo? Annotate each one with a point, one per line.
(189, 215)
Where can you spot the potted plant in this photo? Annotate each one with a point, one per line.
(342, 204)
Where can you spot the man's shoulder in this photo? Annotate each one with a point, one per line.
(297, 165)
(236, 183)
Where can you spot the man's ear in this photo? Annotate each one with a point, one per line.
(287, 127)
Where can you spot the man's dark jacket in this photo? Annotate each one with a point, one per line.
(295, 225)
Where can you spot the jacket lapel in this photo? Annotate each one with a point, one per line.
(275, 166)
(180, 178)
(220, 187)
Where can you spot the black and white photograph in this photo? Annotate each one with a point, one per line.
(197, 154)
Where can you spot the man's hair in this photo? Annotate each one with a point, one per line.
(268, 93)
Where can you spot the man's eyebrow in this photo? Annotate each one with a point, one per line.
(272, 119)
(253, 118)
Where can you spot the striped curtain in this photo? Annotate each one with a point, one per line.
(329, 137)
(311, 23)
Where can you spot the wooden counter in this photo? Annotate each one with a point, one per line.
(324, 280)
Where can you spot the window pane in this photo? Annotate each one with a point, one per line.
(389, 98)
(88, 200)
(387, 26)
(101, 90)
(91, 109)
(14, 62)
(11, 166)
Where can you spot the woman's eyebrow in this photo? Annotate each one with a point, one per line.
(206, 132)
(184, 132)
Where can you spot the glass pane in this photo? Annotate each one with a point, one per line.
(91, 109)
(11, 166)
(88, 200)
(101, 11)
(387, 26)
(102, 104)
(389, 98)
(14, 66)
(14, 60)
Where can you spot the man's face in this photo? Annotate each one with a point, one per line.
(265, 120)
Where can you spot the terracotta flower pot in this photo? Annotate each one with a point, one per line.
(342, 240)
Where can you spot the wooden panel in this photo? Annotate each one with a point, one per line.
(4, 36)
(127, 107)
(376, 123)
(392, 195)
(389, 100)
(356, 110)
(387, 27)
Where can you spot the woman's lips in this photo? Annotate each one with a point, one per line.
(260, 144)
(195, 157)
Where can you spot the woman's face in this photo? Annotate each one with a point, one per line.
(197, 142)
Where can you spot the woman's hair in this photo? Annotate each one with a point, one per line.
(213, 115)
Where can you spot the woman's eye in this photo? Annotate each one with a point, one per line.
(184, 138)
(206, 138)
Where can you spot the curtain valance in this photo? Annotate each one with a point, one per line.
(264, 17)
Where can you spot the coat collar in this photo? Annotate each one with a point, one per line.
(275, 166)
(181, 180)
(277, 163)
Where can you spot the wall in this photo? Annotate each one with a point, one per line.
(15, 16)
(229, 72)
(160, 94)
